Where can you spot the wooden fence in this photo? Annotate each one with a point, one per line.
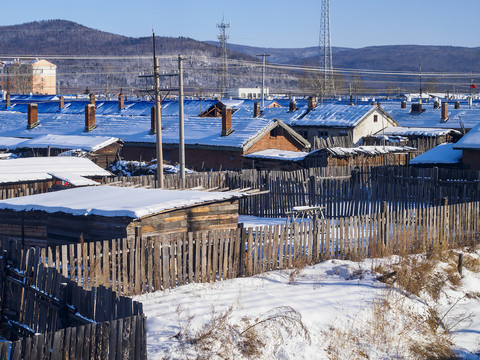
(140, 265)
(38, 299)
(122, 339)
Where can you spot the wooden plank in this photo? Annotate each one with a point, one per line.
(250, 252)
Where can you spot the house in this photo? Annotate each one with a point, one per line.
(359, 156)
(333, 120)
(469, 145)
(247, 93)
(29, 76)
(24, 176)
(109, 212)
(443, 155)
(102, 150)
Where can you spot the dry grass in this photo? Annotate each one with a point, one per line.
(386, 330)
(223, 338)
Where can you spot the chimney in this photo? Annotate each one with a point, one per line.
(32, 116)
(61, 103)
(457, 105)
(7, 100)
(351, 100)
(256, 109)
(92, 99)
(89, 117)
(436, 105)
(292, 106)
(416, 108)
(403, 104)
(312, 103)
(227, 121)
(379, 104)
(444, 111)
(153, 121)
(121, 103)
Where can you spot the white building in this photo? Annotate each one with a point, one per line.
(247, 93)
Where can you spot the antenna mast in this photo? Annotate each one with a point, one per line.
(223, 37)
(326, 64)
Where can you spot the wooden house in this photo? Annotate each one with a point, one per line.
(25, 176)
(108, 212)
(339, 120)
(102, 150)
(469, 144)
(359, 156)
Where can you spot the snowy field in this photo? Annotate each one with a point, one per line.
(333, 310)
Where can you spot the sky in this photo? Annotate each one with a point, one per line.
(270, 23)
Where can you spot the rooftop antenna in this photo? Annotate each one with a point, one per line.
(326, 64)
(223, 37)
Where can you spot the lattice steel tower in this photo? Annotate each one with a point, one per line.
(223, 37)
(326, 65)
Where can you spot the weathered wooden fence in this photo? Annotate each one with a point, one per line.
(54, 318)
(145, 264)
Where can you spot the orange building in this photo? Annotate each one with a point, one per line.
(28, 76)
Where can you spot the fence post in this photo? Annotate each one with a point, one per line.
(384, 223)
(63, 310)
(446, 230)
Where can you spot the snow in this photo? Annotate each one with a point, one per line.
(72, 142)
(335, 115)
(74, 179)
(344, 308)
(415, 131)
(471, 140)
(440, 154)
(41, 168)
(276, 154)
(365, 150)
(113, 201)
(7, 142)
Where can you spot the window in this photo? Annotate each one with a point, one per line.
(323, 134)
(375, 118)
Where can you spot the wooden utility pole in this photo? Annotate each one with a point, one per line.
(263, 79)
(158, 119)
(181, 142)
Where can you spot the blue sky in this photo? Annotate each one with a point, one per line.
(270, 23)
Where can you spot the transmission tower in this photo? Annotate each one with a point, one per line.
(326, 65)
(222, 37)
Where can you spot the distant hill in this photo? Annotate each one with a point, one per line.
(278, 55)
(203, 60)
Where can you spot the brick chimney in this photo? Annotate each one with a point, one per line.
(457, 105)
(256, 109)
(92, 99)
(226, 120)
(89, 117)
(351, 100)
(403, 105)
(61, 103)
(444, 111)
(292, 106)
(153, 122)
(32, 116)
(121, 102)
(312, 103)
(416, 108)
(7, 100)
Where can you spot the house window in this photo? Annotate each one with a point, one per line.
(323, 134)
(303, 133)
(375, 118)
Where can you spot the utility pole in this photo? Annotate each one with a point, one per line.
(420, 75)
(263, 79)
(158, 119)
(181, 142)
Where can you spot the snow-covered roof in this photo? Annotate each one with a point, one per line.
(8, 142)
(416, 131)
(364, 150)
(431, 118)
(276, 154)
(198, 130)
(83, 142)
(335, 115)
(43, 168)
(471, 140)
(283, 114)
(440, 154)
(114, 201)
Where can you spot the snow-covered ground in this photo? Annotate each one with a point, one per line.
(333, 310)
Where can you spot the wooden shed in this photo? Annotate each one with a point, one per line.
(108, 212)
